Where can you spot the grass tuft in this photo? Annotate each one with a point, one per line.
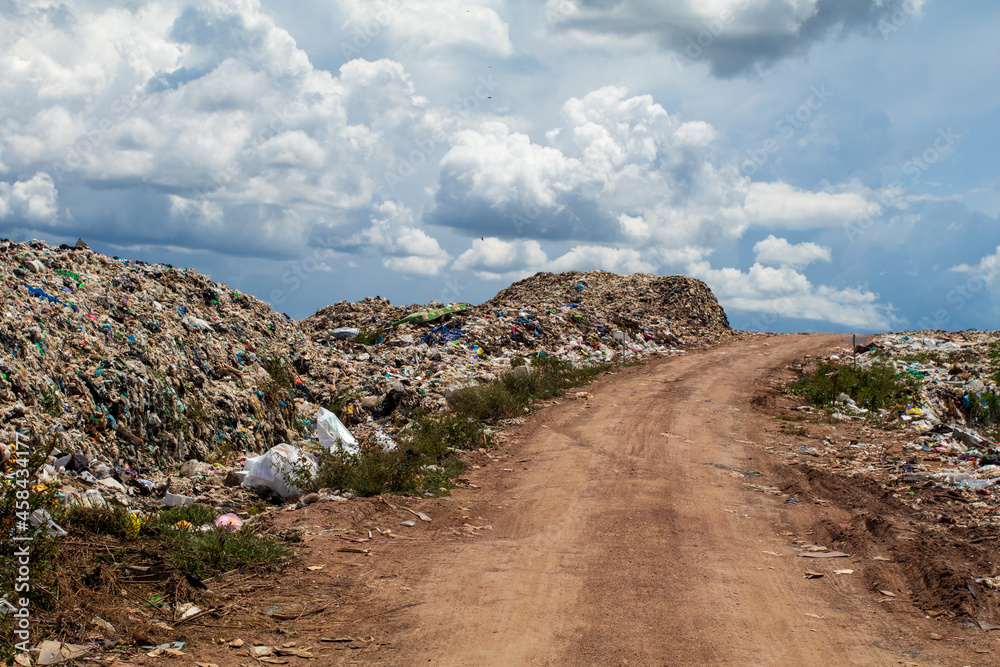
(876, 387)
(427, 455)
(519, 387)
(369, 337)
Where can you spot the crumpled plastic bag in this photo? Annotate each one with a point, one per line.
(271, 469)
(230, 521)
(333, 435)
(40, 516)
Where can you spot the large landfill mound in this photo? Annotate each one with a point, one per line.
(139, 367)
(157, 386)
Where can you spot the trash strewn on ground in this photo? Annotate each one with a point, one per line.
(129, 369)
(937, 451)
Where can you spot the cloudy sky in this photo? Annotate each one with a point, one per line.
(821, 164)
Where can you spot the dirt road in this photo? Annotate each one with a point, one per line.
(617, 527)
(619, 542)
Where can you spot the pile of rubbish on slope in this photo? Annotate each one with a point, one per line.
(129, 369)
(581, 317)
(944, 459)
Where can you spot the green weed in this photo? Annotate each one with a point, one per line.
(186, 547)
(205, 553)
(994, 351)
(369, 337)
(984, 412)
(112, 520)
(519, 387)
(50, 402)
(427, 452)
(921, 357)
(279, 371)
(196, 515)
(873, 388)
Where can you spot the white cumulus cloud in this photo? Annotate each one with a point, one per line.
(773, 250)
(33, 200)
(986, 269)
(618, 170)
(407, 249)
(218, 126)
(785, 292)
(496, 259)
(781, 205)
(732, 36)
(423, 28)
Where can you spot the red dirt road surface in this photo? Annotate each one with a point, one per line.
(618, 545)
(616, 527)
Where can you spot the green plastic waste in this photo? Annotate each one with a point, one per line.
(69, 274)
(430, 315)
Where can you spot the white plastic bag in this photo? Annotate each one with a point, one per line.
(53, 529)
(333, 435)
(384, 439)
(176, 500)
(270, 470)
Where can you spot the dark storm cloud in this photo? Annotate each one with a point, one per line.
(743, 37)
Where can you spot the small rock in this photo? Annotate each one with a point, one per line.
(935, 637)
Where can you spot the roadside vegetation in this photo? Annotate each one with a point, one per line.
(877, 387)
(106, 545)
(427, 456)
(86, 570)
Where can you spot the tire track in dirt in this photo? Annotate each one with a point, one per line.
(616, 544)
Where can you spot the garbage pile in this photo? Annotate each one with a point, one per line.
(421, 352)
(137, 363)
(597, 307)
(137, 367)
(941, 454)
